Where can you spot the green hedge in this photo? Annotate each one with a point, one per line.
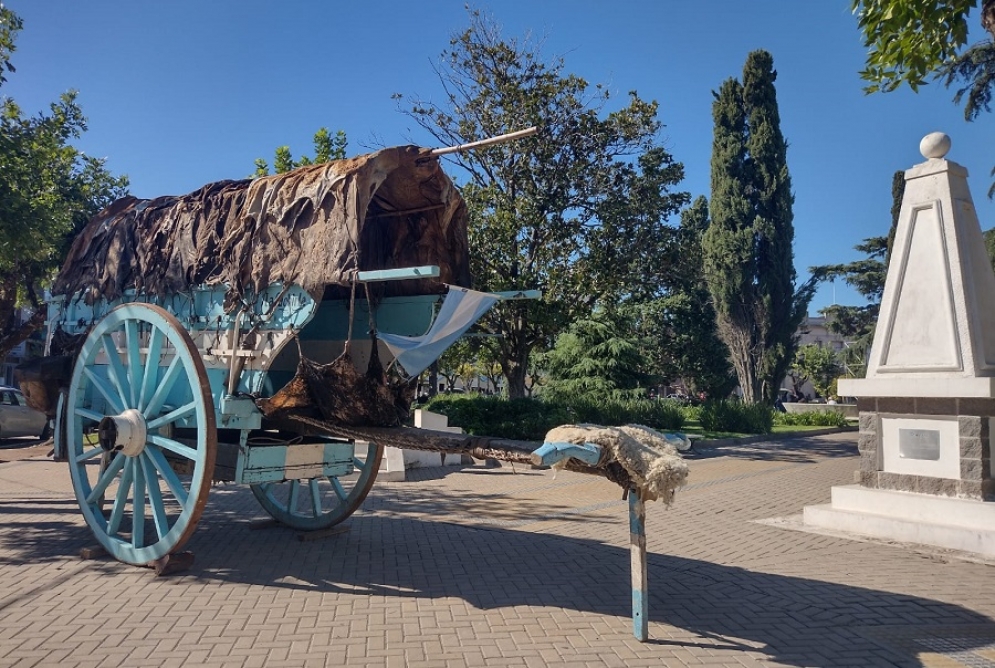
(530, 419)
(661, 415)
(518, 419)
(826, 418)
(735, 416)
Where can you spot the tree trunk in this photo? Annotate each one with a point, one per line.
(515, 374)
(514, 351)
(433, 379)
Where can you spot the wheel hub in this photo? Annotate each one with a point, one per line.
(125, 433)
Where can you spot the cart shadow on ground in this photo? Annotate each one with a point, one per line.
(41, 531)
(391, 553)
(710, 605)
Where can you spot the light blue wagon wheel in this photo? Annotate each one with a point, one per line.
(138, 379)
(319, 503)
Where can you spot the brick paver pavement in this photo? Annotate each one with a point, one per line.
(497, 567)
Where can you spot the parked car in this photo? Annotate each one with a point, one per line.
(19, 419)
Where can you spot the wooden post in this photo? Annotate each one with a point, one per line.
(637, 548)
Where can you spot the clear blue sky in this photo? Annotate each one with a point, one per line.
(182, 93)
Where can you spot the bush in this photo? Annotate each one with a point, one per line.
(826, 418)
(530, 419)
(691, 412)
(735, 416)
(517, 419)
(612, 412)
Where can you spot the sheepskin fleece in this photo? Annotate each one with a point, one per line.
(655, 466)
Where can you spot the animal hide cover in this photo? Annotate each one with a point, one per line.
(654, 465)
(314, 226)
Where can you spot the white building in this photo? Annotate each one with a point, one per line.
(814, 331)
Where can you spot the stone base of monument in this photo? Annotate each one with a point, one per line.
(957, 524)
(925, 470)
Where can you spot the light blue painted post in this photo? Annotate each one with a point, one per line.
(637, 548)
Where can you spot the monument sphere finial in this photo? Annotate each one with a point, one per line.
(934, 145)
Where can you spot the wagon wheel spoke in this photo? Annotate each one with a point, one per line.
(315, 497)
(295, 488)
(108, 476)
(138, 505)
(121, 498)
(105, 390)
(91, 415)
(164, 388)
(156, 503)
(154, 481)
(133, 346)
(339, 490)
(89, 454)
(173, 416)
(175, 447)
(149, 377)
(167, 474)
(118, 375)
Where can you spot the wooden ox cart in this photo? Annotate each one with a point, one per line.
(268, 333)
(208, 337)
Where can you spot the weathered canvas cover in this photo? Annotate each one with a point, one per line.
(314, 226)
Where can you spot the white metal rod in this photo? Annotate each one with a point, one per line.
(486, 142)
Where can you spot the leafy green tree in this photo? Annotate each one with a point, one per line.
(578, 210)
(911, 40)
(10, 25)
(596, 357)
(681, 324)
(748, 256)
(48, 190)
(468, 373)
(818, 365)
(449, 362)
(326, 147)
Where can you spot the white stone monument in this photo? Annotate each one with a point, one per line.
(928, 401)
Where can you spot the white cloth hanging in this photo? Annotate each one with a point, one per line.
(460, 309)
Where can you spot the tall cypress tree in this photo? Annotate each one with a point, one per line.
(749, 262)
